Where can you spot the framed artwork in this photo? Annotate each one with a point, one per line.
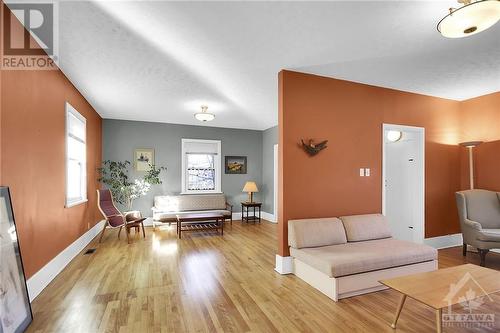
(143, 157)
(236, 164)
(15, 308)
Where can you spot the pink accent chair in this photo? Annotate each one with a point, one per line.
(114, 218)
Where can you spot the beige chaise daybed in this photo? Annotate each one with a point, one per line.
(348, 256)
(167, 207)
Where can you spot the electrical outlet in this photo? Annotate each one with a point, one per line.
(367, 172)
(361, 172)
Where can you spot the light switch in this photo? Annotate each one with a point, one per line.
(361, 172)
(367, 172)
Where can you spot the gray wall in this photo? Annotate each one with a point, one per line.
(121, 137)
(269, 139)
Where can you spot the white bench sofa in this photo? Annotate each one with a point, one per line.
(349, 256)
(167, 207)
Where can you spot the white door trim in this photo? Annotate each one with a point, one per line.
(421, 131)
(275, 181)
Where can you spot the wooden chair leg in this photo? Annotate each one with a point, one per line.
(143, 232)
(102, 233)
(128, 234)
(119, 231)
(482, 256)
(464, 250)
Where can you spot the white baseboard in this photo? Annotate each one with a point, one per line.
(269, 217)
(443, 242)
(44, 276)
(266, 216)
(284, 265)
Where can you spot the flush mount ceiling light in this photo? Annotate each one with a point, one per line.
(394, 136)
(204, 115)
(472, 18)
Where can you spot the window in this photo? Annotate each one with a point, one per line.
(76, 157)
(201, 166)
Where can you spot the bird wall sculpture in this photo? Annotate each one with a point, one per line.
(312, 148)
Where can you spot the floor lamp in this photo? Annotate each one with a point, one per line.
(470, 146)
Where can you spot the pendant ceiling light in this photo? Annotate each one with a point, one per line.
(204, 115)
(472, 18)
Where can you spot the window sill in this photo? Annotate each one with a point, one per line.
(75, 203)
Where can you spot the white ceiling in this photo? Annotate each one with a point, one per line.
(160, 61)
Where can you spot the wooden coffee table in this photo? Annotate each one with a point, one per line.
(199, 222)
(433, 288)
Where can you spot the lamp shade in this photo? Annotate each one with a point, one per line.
(250, 187)
(470, 144)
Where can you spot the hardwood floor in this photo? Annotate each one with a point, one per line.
(208, 283)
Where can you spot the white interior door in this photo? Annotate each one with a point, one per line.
(404, 183)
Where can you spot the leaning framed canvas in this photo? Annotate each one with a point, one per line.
(236, 164)
(15, 308)
(143, 157)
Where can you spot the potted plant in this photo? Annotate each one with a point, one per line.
(115, 175)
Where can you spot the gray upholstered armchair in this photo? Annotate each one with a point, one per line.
(479, 212)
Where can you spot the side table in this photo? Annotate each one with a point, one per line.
(245, 207)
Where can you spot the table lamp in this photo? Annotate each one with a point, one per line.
(250, 187)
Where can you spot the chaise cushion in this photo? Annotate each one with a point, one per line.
(366, 227)
(315, 232)
(353, 258)
(483, 207)
(190, 202)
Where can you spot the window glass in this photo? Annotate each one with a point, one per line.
(200, 172)
(76, 157)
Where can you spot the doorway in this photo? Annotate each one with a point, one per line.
(275, 183)
(403, 181)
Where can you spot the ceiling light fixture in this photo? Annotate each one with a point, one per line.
(470, 19)
(394, 136)
(204, 115)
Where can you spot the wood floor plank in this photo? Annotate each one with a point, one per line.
(208, 283)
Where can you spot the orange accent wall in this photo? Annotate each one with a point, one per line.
(480, 119)
(33, 162)
(350, 116)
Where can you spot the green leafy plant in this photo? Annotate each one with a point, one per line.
(115, 175)
(152, 176)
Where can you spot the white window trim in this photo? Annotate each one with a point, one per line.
(69, 109)
(218, 167)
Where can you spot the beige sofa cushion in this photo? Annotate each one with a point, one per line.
(360, 257)
(483, 207)
(366, 227)
(315, 232)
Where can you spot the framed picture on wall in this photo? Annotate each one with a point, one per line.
(15, 308)
(236, 164)
(143, 157)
